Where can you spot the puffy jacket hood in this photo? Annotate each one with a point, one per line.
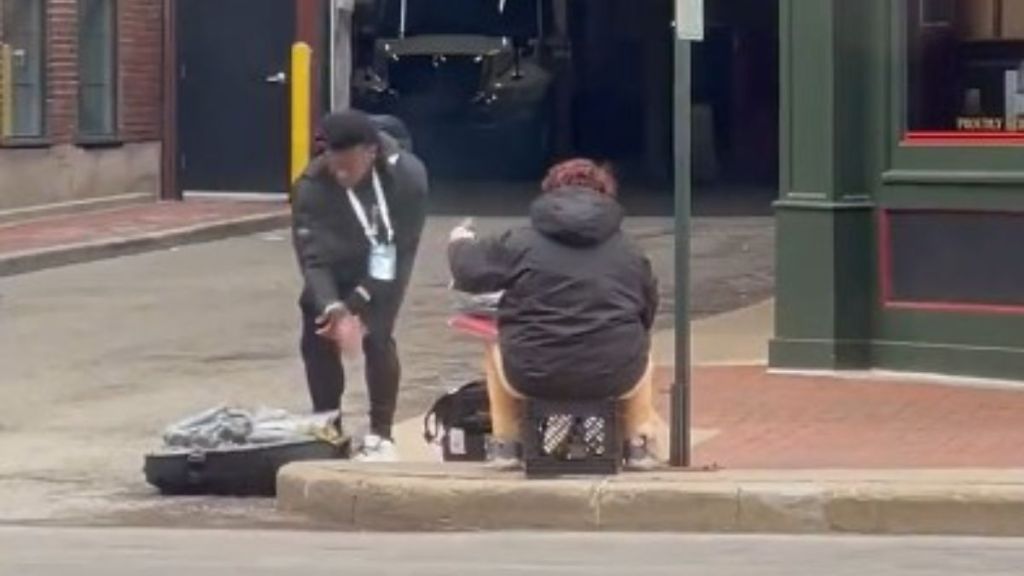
(576, 216)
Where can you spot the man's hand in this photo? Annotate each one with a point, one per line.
(343, 328)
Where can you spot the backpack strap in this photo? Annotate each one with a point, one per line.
(441, 412)
(433, 418)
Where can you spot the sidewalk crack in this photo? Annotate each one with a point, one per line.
(597, 500)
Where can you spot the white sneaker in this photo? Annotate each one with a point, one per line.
(377, 450)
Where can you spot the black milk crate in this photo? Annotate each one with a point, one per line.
(565, 438)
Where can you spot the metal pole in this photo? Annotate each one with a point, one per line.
(332, 47)
(6, 90)
(403, 13)
(679, 446)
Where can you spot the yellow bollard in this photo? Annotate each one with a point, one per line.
(6, 91)
(301, 137)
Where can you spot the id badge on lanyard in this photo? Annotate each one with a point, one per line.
(383, 261)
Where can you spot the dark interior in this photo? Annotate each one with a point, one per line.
(607, 67)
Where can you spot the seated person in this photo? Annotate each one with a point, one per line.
(579, 300)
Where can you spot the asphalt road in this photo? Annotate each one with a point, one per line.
(96, 552)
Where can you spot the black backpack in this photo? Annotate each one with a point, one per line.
(394, 127)
(461, 421)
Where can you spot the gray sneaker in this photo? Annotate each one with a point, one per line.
(640, 455)
(503, 456)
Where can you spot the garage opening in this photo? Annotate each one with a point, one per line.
(494, 91)
(736, 108)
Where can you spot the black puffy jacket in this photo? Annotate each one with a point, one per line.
(579, 297)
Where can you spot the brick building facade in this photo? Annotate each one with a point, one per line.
(81, 92)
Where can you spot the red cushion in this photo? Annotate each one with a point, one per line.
(479, 327)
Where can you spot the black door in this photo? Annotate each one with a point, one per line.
(233, 94)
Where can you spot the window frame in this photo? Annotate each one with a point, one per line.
(922, 158)
(42, 139)
(113, 136)
(933, 138)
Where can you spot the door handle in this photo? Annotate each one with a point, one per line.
(279, 78)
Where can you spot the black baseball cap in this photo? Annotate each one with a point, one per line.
(348, 129)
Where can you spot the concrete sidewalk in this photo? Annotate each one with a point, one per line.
(737, 338)
(54, 241)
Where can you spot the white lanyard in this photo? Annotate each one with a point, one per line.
(370, 228)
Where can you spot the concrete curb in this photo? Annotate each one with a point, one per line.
(36, 260)
(470, 498)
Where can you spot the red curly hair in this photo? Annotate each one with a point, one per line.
(581, 173)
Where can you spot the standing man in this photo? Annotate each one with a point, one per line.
(358, 214)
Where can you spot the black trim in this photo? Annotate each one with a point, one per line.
(99, 142)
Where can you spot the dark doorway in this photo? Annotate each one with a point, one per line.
(620, 85)
(233, 94)
(735, 117)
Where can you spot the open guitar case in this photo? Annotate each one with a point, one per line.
(233, 471)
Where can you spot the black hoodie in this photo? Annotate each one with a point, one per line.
(579, 297)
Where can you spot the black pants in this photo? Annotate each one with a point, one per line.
(325, 374)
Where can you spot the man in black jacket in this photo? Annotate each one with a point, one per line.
(358, 213)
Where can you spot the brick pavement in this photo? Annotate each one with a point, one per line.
(767, 421)
(126, 222)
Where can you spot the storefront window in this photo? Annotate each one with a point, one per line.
(22, 61)
(965, 69)
(96, 68)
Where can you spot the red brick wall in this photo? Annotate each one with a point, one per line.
(62, 70)
(139, 66)
(140, 57)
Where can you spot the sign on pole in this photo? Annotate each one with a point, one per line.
(690, 20)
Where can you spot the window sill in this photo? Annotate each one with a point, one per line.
(25, 142)
(99, 142)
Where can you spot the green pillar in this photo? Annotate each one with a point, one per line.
(824, 217)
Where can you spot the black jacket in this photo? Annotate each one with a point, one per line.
(579, 297)
(330, 243)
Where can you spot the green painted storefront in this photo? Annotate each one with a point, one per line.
(871, 225)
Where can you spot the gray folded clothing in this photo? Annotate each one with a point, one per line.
(225, 427)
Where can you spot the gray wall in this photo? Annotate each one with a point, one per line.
(61, 174)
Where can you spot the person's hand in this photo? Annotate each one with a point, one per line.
(463, 231)
(344, 329)
(327, 323)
